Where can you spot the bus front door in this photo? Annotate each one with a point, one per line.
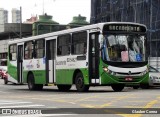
(94, 58)
(50, 60)
(20, 63)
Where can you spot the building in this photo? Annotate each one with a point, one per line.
(31, 20)
(16, 15)
(141, 11)
(3, 16)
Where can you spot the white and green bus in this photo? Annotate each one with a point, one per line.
(104, 54)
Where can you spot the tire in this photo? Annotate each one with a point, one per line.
(79, 82)
(135, 87)
(32, 85)
(5, 81)
(117, 87)
(144, 86)
(39, 86)
(64, 87)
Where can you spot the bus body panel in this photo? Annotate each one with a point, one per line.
(37, 67)
(65, 68)
(12, 71)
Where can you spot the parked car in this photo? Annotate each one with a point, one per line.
(3, 70)
(154, 76)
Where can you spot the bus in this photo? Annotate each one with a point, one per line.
(104, 54)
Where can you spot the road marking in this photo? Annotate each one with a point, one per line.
(148, 105)
(82, 99)
(118, 99)
(13, 103)
(21, 106)
(4, 92)
(40, 115)
(9, 100)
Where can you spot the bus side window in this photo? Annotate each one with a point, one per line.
(13, 52)
(63, 45)
(28, 50)
(39, 48)
(59, 50)
(79, 42)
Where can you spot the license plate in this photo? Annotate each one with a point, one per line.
(128, 79)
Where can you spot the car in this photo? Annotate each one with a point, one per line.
(154, 76)
(5, 77)
(3, 70)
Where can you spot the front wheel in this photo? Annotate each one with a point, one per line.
(135, 87)
(117, 87)
(79, 82)
(144, 86)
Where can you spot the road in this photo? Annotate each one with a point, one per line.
(99, 101)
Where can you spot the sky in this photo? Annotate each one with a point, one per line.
(61, 10)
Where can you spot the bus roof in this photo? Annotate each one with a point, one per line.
(52, 34)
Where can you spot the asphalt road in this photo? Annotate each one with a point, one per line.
(99, 101)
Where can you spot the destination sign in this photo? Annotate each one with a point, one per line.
(124, 27)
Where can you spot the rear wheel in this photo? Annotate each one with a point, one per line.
(32, 85)
(117, 87)
(64, 87)
(79, 82)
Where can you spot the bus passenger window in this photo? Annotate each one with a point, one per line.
(28, 50)
(79, 43)
(13, 52)
(39, 48)
(63, 45)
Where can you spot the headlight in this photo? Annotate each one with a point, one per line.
(105, 69)
(144, 72)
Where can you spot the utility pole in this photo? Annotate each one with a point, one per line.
(150, 35)
(20, 22)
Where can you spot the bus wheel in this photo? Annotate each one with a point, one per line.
(135, 87)
(79, 82)
(5, 81)
(64, 87)
(117, 87)
(31, 84)
(144, 86)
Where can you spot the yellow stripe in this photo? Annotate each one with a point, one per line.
(82, 99)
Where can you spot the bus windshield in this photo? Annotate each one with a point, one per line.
(124, 48)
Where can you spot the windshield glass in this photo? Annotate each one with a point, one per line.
(124, 48)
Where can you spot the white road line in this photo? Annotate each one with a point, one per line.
(40, 115)
(4, 92)
(5, 103)
(22, 106)
(10, 100)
